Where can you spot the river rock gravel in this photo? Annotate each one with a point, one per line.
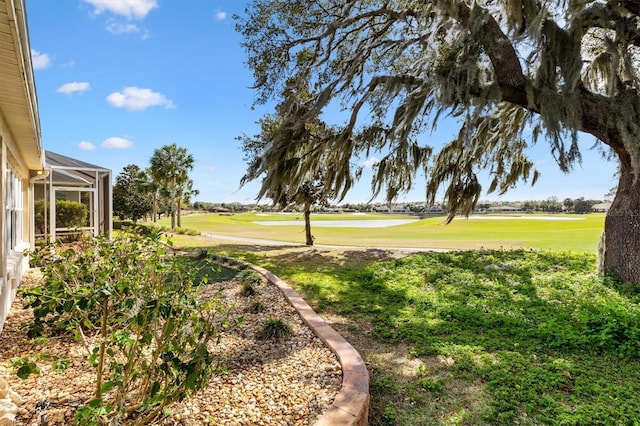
(289, 381)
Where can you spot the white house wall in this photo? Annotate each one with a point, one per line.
(14, 222)
(21, 152)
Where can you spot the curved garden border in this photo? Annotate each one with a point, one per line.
(351, 405)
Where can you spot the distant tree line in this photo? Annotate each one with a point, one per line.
(551, 205)
(568, 205)
(233, 207)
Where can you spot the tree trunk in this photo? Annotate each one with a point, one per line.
(173, 204)
(307, 224)
(179, 213)
(155, 207)
(620, 245)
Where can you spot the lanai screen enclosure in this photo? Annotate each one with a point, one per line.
(66, 178)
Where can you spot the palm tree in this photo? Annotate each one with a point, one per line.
(185, 192)
(170, 165)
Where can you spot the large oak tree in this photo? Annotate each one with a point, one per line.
(510, 70)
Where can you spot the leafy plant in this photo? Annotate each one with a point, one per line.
(60, 364)
(250, 276)
(384, 385)
(138, 313)
(250, 279)
(25, 367)
(187, 231)
(435, 386)
(274, 328)
(247, 289)
(389, 416)
(256, 306)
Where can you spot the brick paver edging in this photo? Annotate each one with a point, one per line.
(351, 405)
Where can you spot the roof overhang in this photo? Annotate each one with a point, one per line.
(18, 99)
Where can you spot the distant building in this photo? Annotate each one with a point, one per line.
(505, 209)
(330, 210)
(219, 210)
(399, 209)
(601, 208)
(433, 210)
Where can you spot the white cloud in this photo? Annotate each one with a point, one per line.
(369, 162)
(119, 28)
(138, 99)
(39, 60)
(130, 9)
(116, 143)
(115, 27)
(221, 15)
(210, 169)
(86, 146)
(74, 87)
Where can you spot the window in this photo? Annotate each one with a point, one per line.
(13, 205)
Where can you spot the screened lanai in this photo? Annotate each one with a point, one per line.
(68, 179)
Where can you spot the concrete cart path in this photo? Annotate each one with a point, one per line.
(259, 241)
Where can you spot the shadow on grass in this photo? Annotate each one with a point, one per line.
(550, 341)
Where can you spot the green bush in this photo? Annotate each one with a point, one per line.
(137, 311)
(69, 214)
(256, 307)
(122, 225)
(136, 228)
(247, 289)
(250, 276)
(274, 328)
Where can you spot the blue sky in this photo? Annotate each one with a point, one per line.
(117, 79)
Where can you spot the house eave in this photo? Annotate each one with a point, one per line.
(18, 101)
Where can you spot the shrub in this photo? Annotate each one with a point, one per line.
(250, 276)
(137, 311)
(247, 289)
(186, 231)
(136, 228)
(274, 328)
(256, 307)
(69, 214)
(122, 225)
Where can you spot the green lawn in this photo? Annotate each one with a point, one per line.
(581, 234)
(482, 337)
(472, 337)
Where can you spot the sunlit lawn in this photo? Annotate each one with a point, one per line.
(580, 234)
(481, 337)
